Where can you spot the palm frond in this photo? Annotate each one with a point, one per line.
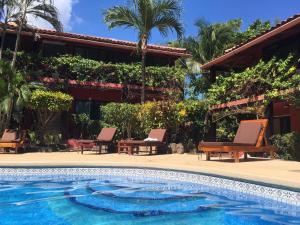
(47, 12)
(121, 16)
(166, 23)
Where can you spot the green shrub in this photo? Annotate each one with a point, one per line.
(288, 145)
(184, 121)
(122, 116)
(162, 114)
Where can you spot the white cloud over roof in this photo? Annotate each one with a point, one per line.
(66, 16)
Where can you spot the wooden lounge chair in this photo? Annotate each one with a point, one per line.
(105, 138)
(11, 140)
(155, 139)
(249, 138)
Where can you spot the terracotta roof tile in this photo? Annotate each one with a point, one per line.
(167, 49)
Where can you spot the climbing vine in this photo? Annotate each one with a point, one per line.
(274, 78)
(79, 68)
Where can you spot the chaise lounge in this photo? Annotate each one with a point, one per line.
(155, 139)
(11, 140)
(105, 138)
(249, 138)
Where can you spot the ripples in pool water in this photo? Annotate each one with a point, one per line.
(122, 201)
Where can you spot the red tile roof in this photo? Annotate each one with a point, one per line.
(275, 30)
(110, 41)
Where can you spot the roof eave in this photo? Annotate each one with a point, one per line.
(84, 39)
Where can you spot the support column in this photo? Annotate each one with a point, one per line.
(212, 132)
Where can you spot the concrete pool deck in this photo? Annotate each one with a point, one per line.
(278, 172)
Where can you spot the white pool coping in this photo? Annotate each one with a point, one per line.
(281, 195)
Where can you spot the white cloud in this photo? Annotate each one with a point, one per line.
(66, 16)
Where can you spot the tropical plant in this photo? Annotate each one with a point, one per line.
(144, 16)
(212, 39)
(83, 121)
(43, 9)
(14, 93)
(46, 105)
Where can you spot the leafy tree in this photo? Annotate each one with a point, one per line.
(256, 28)
(47, 104)
(144, 16)
(43, 9)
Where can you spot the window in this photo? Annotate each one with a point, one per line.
(83, 107)
(53, 49)
(91, 108)
(95, 110)
(10, 41)
(91, 53)
(282, 125)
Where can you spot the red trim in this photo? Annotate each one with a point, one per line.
(278, 29)
(238, 102)
(251, 99)
(74, 83)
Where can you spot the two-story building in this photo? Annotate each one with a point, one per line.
(89, 96)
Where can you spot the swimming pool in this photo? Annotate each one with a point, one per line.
(84, 196)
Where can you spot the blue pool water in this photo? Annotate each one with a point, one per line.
(126, 201)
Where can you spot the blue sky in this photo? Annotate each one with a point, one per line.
(85, 16)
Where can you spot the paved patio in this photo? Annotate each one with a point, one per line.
(286, 173)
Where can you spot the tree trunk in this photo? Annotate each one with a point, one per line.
(143, 76)
(144, 51)
(21, 22)
(13, 62)
(3, 39)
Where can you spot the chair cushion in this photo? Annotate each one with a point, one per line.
(248, 133)
(9, 136)
(158, 134)
(211, 144)
(106, 134)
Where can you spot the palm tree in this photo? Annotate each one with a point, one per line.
(144, 16)
(14, 92)
(212, 39)
(38, 8)
(7, 14)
